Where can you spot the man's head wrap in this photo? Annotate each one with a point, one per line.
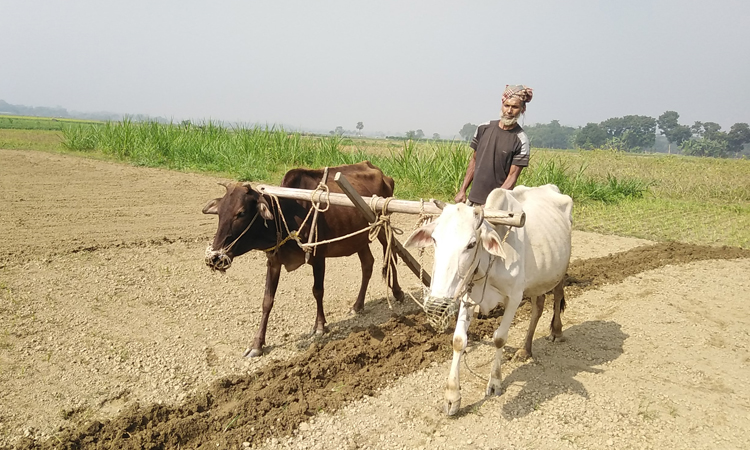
(524, 93)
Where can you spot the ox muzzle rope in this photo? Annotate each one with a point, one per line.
(441, 310)
(219, 260)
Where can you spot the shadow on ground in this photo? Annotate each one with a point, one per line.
(553, 370)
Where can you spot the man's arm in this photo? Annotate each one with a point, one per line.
(461, 196)
(510, 181)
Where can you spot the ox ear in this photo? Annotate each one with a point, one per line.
(492, 242)
(212, 207)
(263, 209)
(422, 236)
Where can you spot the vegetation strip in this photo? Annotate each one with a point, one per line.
(421, 169)
(276, 399)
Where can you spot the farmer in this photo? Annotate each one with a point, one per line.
(501, 149)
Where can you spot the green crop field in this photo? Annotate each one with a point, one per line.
(40, 123)
(657, 197)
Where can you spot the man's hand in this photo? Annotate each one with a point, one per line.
(461, 196)
(513, 174)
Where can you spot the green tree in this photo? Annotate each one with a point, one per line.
(590, 136)
(633, 132)
(339, 131)
(360, 125)
(419, 134)
(705, 147)
(671, 129)
(738, 136)
(412, 135)
(668, 121)
(467, 132)
(709, 130)
(551, 135)
(435, 137)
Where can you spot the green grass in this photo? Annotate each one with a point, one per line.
(658, 197)
(578, 184)
(668, 176)
(30, 139)
(658, 219)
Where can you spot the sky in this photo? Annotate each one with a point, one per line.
(395, 66)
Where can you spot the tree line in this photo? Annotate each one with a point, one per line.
(60, 112)
(634, 133)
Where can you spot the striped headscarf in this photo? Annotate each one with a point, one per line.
(518, 90)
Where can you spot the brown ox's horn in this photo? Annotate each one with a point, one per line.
(479, 212)
(223, 183)
(438, 203)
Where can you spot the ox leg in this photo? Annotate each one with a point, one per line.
(500, 337)
(398, 293)
(556, 333)
(273, 273)
(536, 312)
(367, 261)
(319, 273)
(460, 339)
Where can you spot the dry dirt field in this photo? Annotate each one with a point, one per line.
(114, 334)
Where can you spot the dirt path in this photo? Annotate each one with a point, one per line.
(113, 334)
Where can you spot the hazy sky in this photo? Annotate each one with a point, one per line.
(393, 65)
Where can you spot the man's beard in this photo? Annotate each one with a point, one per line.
(508, 121)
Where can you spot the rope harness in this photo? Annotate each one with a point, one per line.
(439, 313)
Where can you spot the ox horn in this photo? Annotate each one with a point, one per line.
(249, 186)
(479, 213)
(439, 204)
(224, 183)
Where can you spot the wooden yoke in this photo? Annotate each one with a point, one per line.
(493, 216)
(351, 198)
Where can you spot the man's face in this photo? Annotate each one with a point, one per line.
(512, 108)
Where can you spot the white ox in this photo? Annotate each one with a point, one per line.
(494, 266)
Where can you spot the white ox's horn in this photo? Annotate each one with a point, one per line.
(479, 214)
(439, 204)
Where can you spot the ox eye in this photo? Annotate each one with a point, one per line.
(241, 214)
(471, 245)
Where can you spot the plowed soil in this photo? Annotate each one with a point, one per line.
(114, 334)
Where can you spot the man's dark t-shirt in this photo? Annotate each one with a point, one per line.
(496, 150)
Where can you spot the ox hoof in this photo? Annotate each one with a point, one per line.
(399, 296)
(253, 353)
(317, 332)
(494, 387)
(521, 355)
(354, 312)
(559, 338)
(452, 407)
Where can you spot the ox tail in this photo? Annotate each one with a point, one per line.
(557, 317)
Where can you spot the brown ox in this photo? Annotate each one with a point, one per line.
(249, 220)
